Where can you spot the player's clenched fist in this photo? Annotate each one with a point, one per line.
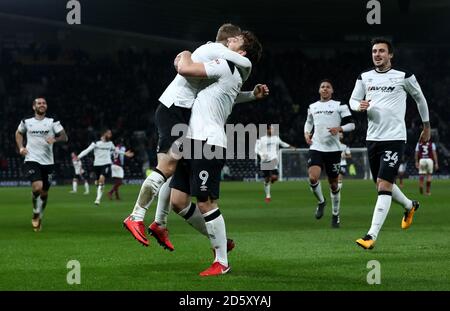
(364, 105)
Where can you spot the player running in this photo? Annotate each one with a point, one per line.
(79, 174)
(266, 147)
(382, 92)
(117, 171)
(328, 118)
(426, 159)
(41, 133)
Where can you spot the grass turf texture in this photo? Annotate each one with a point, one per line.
(279, 246)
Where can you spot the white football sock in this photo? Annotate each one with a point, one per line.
(194, 217)
(380, 212)
(99, 192)
(267, 189)
(335, 201)
(38, 207)
(163, 206)
(317, 190)
(215, 225)
(74, 186)
(86, 187)
(399, 197)
(340, 184)
(43, 205)
(149, 190)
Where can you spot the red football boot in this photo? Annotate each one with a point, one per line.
(161, 235)
(215, 269)
(137, 229)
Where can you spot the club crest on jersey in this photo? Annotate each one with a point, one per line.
(217, 61)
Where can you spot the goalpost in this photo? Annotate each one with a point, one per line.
(293, 164)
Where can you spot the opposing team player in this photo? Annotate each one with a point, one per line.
(41, 133)
(102, 160)
(328, 118)
(382, 92)
(117, 172)
(426, 159)
(79, 174)
(266, 147)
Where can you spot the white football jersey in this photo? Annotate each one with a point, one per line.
(182, 91)
(267, 147)
(214, 103)
(77, 166)
(345, 152)
(37, 131)
(102, 152)
(387, 92)
(323, 116)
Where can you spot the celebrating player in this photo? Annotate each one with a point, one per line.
(102, 160)
(328, 118)
(79, 174)
(266, 148)
(41, 133)
(174, 110)
(381, 92)
(200, 176)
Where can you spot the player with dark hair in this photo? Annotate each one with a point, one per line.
(41, 133)
(172, 116)
(328, 118)
(426, 160)
(381, 93)
(102, 160)
(266, 147)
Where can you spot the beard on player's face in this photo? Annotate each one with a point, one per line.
(40, 110)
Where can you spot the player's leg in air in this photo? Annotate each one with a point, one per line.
(342, 173)
(383, 171)
(169, 144)
(314, 171)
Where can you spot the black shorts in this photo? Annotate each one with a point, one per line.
(166, 119)
(199, 177)
(269, 173)
(330, 160)
(384, 158)
(102, 170)
(81, 176)
(34, 171)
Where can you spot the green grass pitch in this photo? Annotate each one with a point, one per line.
(279, 246)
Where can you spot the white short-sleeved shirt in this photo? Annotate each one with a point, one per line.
(325, 115)
(37, 131)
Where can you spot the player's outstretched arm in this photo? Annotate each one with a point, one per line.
(260, 91)
(86, 151)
